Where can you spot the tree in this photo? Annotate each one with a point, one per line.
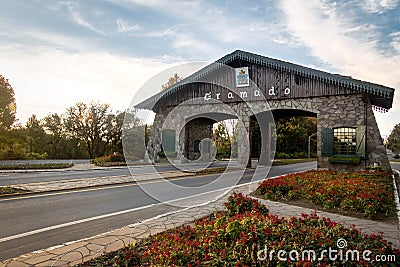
(7, 104)
(134, 134)
(222, 140)
(292, 135)
(171, 81)
(36, 138)
(88, 123)
(114, 133)
(393, 141)
(11, 140)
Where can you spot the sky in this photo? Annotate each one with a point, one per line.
(57, 53)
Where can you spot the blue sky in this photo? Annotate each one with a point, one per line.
(56, 53)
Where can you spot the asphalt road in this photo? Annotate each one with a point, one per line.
(395, 165)
(39, 221)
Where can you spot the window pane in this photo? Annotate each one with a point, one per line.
(345, 140)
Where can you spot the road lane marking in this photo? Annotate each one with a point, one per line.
(8, 238)
(4, 239)
(101, 188)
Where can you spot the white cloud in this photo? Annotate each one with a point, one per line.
(171, 31)
(124, 27)
(47, 81)
(378, 6)
(332, 39)
(395, 40)
(81, 21)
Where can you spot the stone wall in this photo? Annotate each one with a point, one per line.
(331, 112)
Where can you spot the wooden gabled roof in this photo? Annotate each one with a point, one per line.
(380, 96)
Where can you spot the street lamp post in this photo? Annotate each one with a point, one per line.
(309, 144)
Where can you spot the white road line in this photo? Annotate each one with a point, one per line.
(98, 188)
(4, 239)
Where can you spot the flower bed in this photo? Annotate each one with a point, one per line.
(240, 237)
(367, 193)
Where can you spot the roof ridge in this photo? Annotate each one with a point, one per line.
(380, 91)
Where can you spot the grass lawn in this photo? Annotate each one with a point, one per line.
(361, 194)
(40, 166)
(279, 162)
(241, 235)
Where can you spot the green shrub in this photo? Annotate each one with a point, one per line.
(237, 203)
(282, 155)
(40, 166)
(345, 159)
(115, 157)
(295, 155)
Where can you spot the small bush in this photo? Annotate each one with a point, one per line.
(115, 157)
(40, 166)
(345, 159)
(295, 155)
(282, 155)
(239, 204)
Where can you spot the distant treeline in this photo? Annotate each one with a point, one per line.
(83, 131)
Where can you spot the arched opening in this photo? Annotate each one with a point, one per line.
(225, 137)
(206, 132)
(296, 134)
(293, 135)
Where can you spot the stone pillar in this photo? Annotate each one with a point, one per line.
(154, 144)
(244, 133)
(266, 131)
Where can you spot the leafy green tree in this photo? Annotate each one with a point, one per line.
(11, 139)
(393, 141)
(7, 104)
(114, 133)
(292, 136)
(36, 138)
(54, 127)
(134, 135)
(222, 139)
(88, 123)
(13, 144)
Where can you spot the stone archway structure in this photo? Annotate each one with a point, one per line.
(241, 85)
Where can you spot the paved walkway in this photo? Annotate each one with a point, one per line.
(84, 250)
